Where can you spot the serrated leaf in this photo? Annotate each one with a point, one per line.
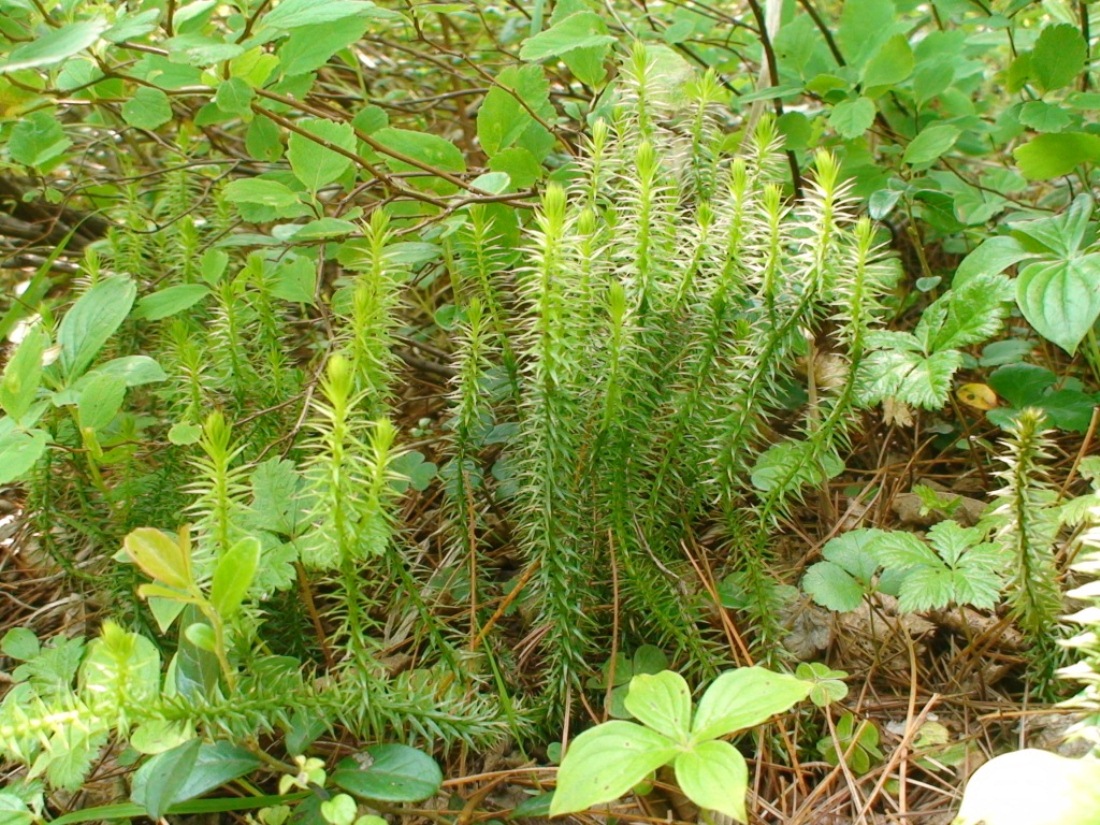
(1044, 117)
(1052, 155)
(316, 165)
(662, 701)
(38, 139)
(580, 30)
(743, 698)
(897, 548)
(832, 587)
(714, 776)
(310, 47)
(234, 96)
(147, 108)
(1058, 57)
(851, 118)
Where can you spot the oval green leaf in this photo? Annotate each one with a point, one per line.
(605, 762)
(714, 775)
(744, 698)
(663, 702)
(389, 773)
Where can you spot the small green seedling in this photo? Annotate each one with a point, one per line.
(605, 762)
(856, 743)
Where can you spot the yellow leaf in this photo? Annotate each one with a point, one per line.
(978, 396)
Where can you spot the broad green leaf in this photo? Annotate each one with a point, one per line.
(19, 452)
(233, 575)
(130, 26)
(316, 165)
(296, 280)
(1022, 385)
(1061, 299)
(156, 783)
(160, 557)
(188, 771)
(1033, 787)
(148, 108)
(864, 26)
(159, 735)
(389, 773)
(253, 67)
(215, 765)
(897, 548)
(833, 587)
(968, 314)
(1052, 155)
(263, 140)
(370, 119)
(714, 776)
(1058, 57)
(100, 400)
(851, 118)
(1061, 234)
(23, 373)
(20, 643)
(292, 14)
(261, 192)
(589, 65)
(931, 143)
(310, 47)
(234, 96)
(890, 65)
(55, 45)
(197, 673)
(932, 78)
(521, 167)
(581, 30)
(991, 257)
(201, 635)
(429, 149)
(134, 370)
(605, 762)
(38, 139)
(663, 702)
(14, 811)
(94, 318)
(1044, 117)
(169, 301)
(505, 111)
(743, 698)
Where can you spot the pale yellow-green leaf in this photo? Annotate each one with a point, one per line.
(1033, 787)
